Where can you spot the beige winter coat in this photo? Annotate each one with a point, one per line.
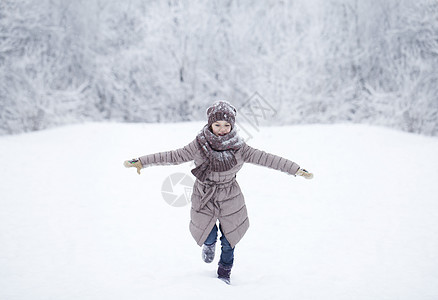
(219, 198)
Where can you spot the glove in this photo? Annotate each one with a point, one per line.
(304, 173)
(133, 163)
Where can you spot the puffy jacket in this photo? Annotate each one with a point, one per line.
(219, 197)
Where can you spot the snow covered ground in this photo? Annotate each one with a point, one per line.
(75, 224)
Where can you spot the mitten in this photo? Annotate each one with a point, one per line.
(133, 163)
(304, 173)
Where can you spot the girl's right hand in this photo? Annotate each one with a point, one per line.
(133, 163)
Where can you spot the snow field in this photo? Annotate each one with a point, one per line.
(75, 224)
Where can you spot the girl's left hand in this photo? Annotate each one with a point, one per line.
(303, 172)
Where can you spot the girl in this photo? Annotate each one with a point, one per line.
(218, 153)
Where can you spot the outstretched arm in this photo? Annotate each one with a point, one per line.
(262, 158)
(173, 157)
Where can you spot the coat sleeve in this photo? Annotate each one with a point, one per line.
(173, 157)
(258, 157)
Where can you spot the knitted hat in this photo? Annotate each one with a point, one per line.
(221, 111)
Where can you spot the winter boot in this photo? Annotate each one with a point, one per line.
(208, 252)
(223, 273)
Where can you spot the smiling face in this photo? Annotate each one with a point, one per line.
(221, 128)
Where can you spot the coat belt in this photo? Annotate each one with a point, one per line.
(211, 188)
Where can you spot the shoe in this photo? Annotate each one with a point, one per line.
(208, 252)
(223, 273)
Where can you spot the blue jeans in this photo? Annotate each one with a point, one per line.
(227, 254)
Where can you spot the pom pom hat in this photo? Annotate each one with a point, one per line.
(221, 111)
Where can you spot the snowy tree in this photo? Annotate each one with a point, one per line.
(165, 61)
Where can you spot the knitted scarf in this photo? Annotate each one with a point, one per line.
(218, 151)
